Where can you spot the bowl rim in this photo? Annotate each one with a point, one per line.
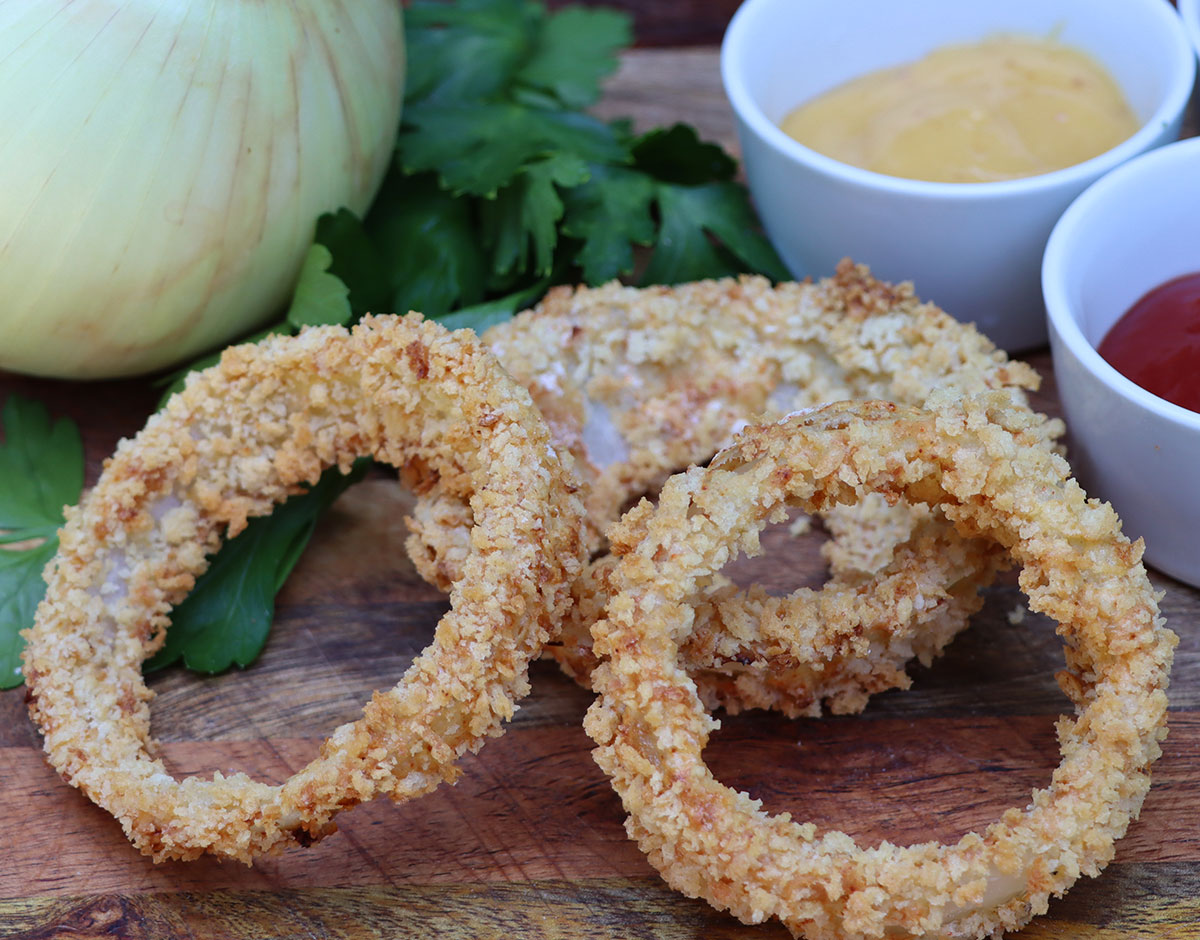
(737, 46)
(1189, 14)
(1059, 309)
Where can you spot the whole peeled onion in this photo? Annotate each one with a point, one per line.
(163, 164)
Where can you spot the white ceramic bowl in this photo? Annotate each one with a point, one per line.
(973, 248)
(1189, 12)
(1128, 233)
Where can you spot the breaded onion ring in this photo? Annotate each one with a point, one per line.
(980, 462)
(240, 438)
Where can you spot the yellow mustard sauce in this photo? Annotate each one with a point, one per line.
(1002, 108)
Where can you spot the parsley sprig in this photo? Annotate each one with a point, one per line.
(503, 184)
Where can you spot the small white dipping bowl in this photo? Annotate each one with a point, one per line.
(1128, 233)
(973, 248)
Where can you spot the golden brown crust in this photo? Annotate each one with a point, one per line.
(983, 463)
(239, 439)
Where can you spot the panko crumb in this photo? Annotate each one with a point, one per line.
(800, 526)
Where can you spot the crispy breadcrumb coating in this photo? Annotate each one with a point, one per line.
(240, 438)
(983, 462)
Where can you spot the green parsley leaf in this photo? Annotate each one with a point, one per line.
(320, 297)
(685, 252)
(227, 616)
(525, 214)
(21, 590)
(428, 244)
(478, 148)
(493, 115)
(676, 154)
(575, 49)
(356, 261)
(467, 50)
(486, 49)
(480, 316)
(609, 214)
(41, 471)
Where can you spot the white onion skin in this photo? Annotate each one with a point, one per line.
(163, 164)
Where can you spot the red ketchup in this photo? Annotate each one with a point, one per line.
(1156, 343)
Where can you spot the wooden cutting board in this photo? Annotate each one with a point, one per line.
(530, 843)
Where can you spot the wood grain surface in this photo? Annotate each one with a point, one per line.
(530, 843)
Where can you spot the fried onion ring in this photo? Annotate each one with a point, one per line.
(240, 438)
(983, 464)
